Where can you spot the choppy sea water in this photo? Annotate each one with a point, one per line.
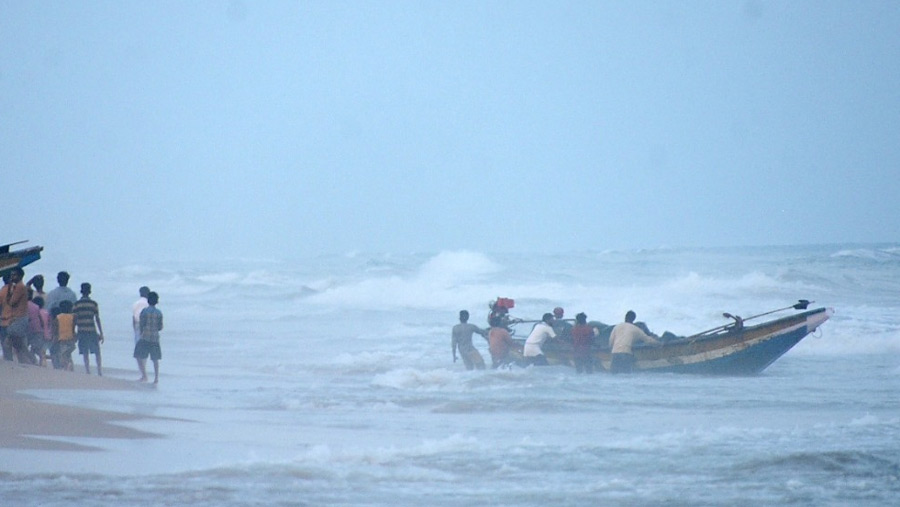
(330, 381)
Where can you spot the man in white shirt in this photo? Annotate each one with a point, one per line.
(540, 334)
(621, 341)
(136, 310)
(60, 294)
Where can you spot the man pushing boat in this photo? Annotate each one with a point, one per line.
(542, 332)
(621, 341)
(461, 338)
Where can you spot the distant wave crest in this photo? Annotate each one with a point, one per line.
(436, 283)
(870, 254)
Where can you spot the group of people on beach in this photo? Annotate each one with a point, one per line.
(581, 336)
(37, 327)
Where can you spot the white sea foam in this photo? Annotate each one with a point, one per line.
(381, 455)
(845, 337)
(435, 284)
(368, 361)
(409, 378)
(866, 420)
(330, 381)
(451, 268)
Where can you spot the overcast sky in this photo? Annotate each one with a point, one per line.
(158, 129)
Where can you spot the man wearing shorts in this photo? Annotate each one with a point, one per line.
(151, 323)
(88, 330)
(63, 325)
(14, 318)
(461, 338)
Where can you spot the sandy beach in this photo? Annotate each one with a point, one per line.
(26, 423)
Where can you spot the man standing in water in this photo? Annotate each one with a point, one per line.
(582, 341)
(461, 339)
(542, 332)
(500, 343)
(621, 341)
(151, 323)
(88, 329)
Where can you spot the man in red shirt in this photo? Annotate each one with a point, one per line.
(582, 340)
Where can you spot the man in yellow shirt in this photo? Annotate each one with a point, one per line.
(64, 336)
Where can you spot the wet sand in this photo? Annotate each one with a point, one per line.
(26, 423)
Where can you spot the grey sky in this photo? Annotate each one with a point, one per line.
(167, 129)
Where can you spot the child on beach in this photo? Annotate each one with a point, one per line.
(48, 328)
(37, 329)
(63, 337)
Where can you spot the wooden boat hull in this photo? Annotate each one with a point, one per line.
(17, 258)
(731, 351)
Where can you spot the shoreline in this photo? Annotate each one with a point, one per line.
(29, 424)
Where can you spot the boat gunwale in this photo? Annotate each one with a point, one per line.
(700, 353)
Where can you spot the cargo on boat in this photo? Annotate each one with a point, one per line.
(733, 349)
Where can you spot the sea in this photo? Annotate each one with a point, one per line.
(329, 380)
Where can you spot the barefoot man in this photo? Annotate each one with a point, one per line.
(88, 330)
(151, 323)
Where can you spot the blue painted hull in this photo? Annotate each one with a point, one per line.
(18, 258)
(749, 361)
(730, 351)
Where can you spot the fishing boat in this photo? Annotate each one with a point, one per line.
(732, 349)
(18, 258)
